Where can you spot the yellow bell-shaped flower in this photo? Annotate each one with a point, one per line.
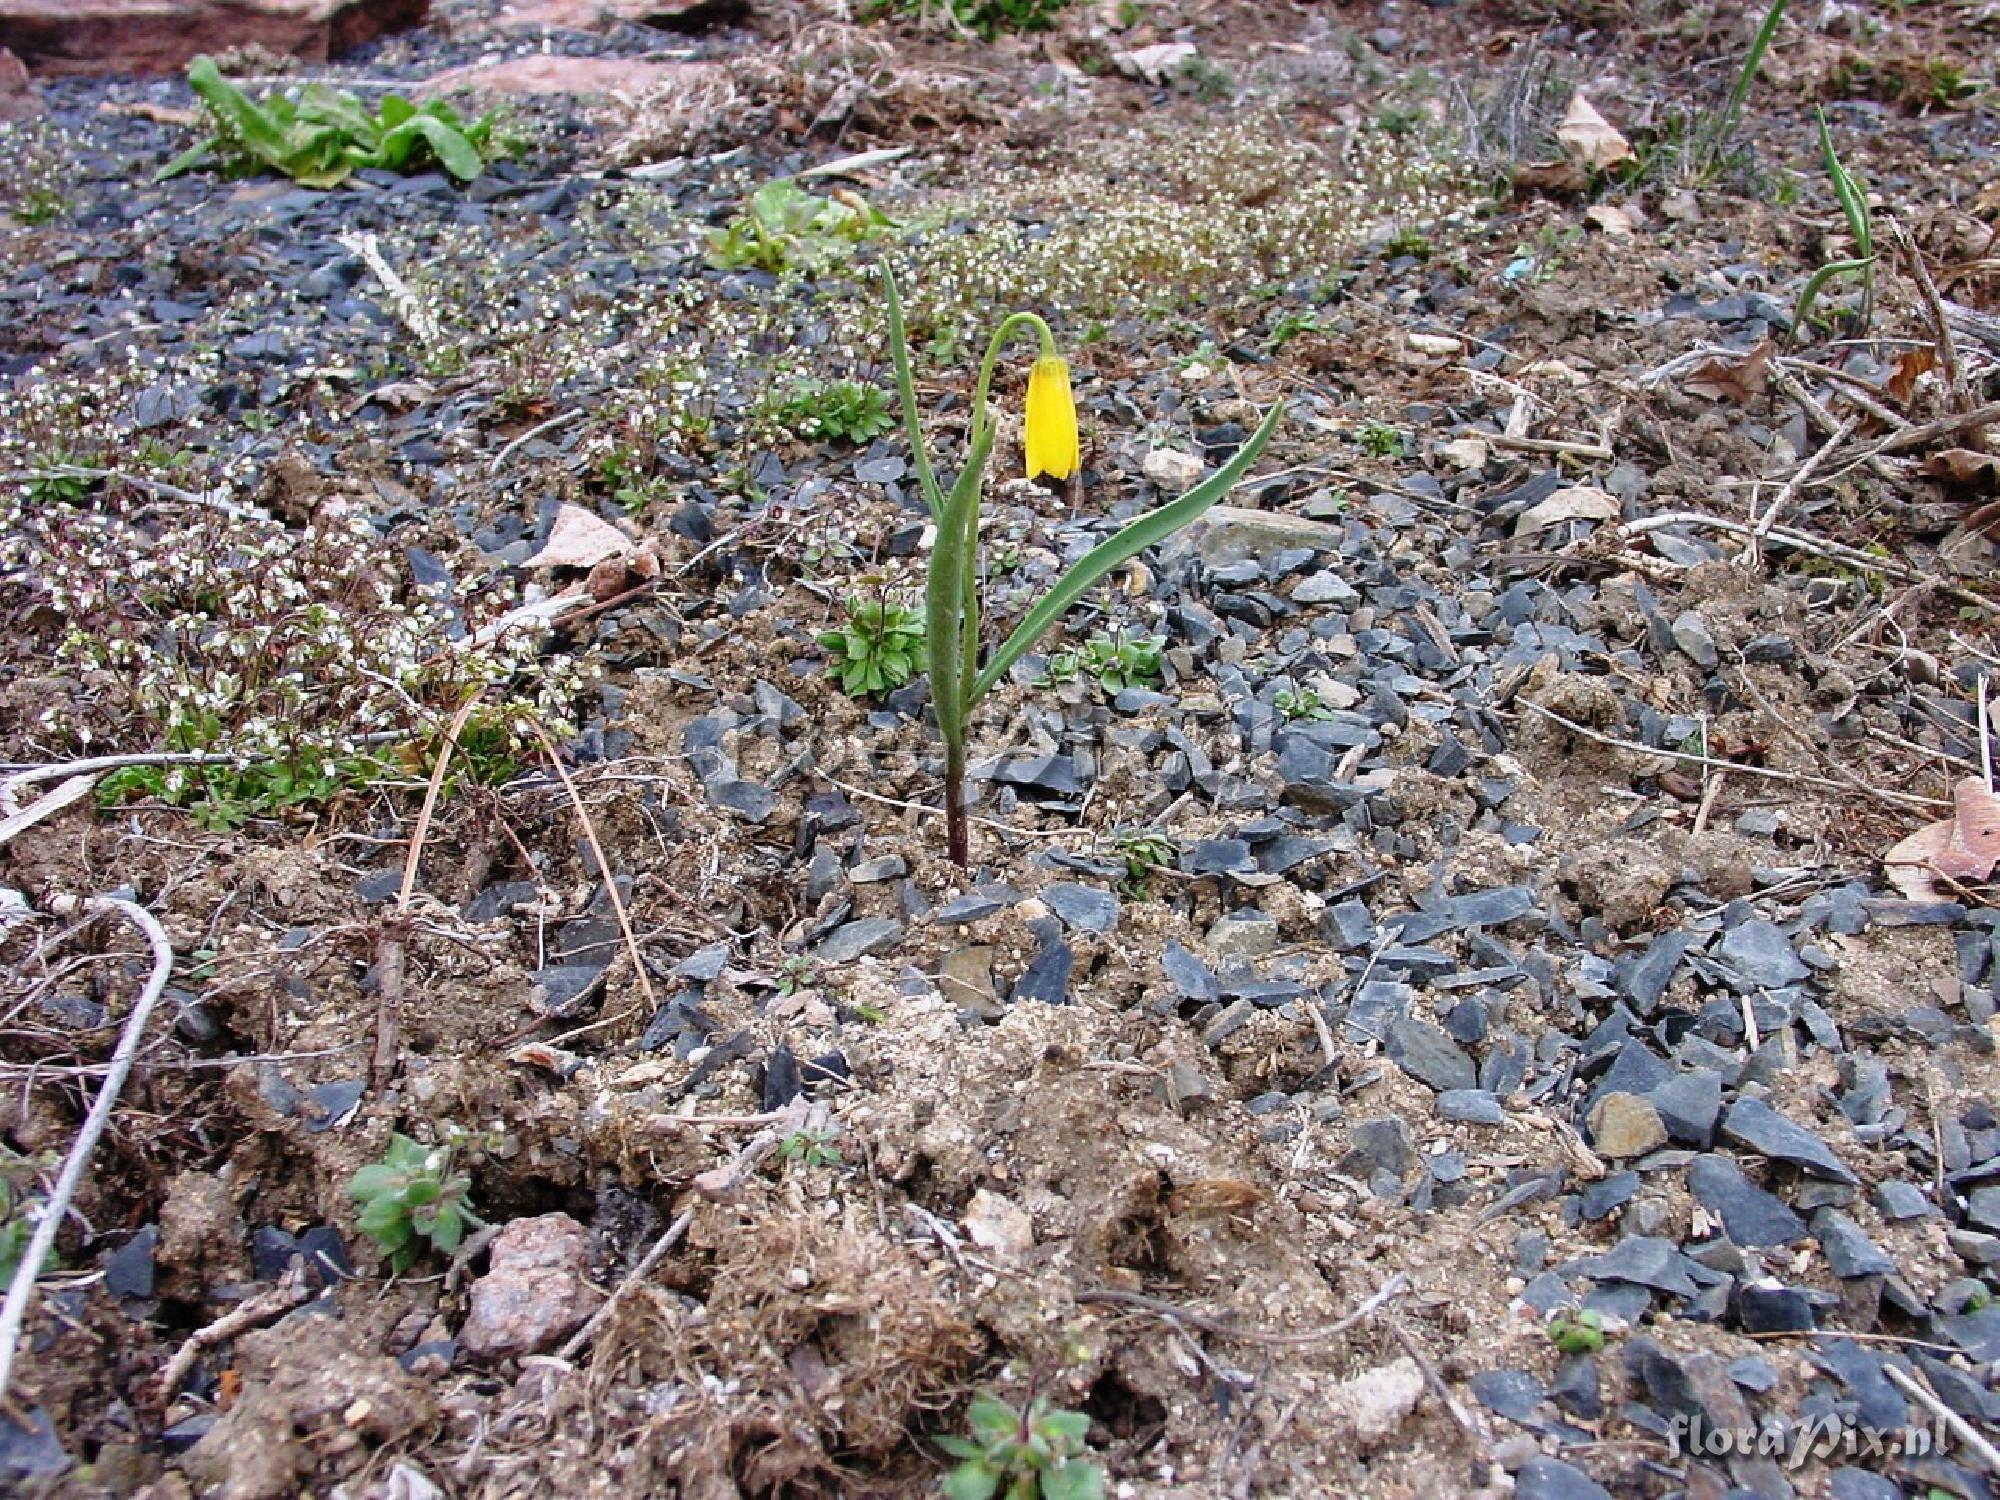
(1050, 435)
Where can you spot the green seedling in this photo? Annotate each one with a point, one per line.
(783, 227)
(1026, 1454)
(1714, 139)
(58, 480)
(952, 584)
(879, 648)
(225, 797)
(1379, 440)
(985, 19)
(411, 1195)
(844, 410)
(1116, 662)
(319, 137)
(811, 1148)
(1294, 704)
(1860, 225)
(1580, 1334)
(1144, 850)
(20, 1209)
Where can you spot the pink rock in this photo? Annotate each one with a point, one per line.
(602, 15)
(18, 100)
(562, 75)
(536, 1293)
(58, 38)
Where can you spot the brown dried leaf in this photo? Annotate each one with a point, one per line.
(1552, 177)
(580, 540)
(1738, 380)
(1912, 367)
(1579, 502)
(1590, 138)
(1965, 468)
(1964, 846)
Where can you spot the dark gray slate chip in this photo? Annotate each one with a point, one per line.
(1047, 976)
(1513, 1394)
(971, 907)
(1982, 1208)
(1775, 1309)
(1753, 1373)
(1648, 979)
(1084, 908)
(1977, 1333)
(1607, 1195)
(1220, 857)
(1750, 1216)
(128, 1270)
(1849, 1252)
(1552, 1479)
(1643, 1260)
(1429, 1056)
(1860, 1370)
(1492, 907)
(561, 989)
(1689, 1104)
(30, 1449)
(1761, 954)
(751, 801)
(1382, 1145)
(1861, 1484)
(857, 939)
(1897, 1200)
(1190, 975)
(1470, 1107)
(1753, 1123)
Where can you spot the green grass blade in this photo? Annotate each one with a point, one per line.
(1154, 526)
(944, 595)
(1817, 283)
(1723, 130)
(459, 156)
(260, 131)
(906, 388)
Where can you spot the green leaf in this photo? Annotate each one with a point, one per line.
(263, 135)
(1071, 1426)
(194, 156)
(458, 155)
(971, 1481)
(906, 390)
(395, 109)
(386, 1222)
(407, 1155)
(1074, 1480)
(1147, 530)
(422, 1192)
(373, 1181)
(959, 1447)
(448, 1230)
(992, 1421)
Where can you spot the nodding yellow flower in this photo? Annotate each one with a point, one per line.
(1050, 436)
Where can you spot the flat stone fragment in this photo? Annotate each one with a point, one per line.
(1189, 975)
(1750, 1216)
(858, 939)
(538, 1290)
(1625, 1125)
(1753, 1123)
(1982, 1207)
(69, 38)
(1084, 908)
(1689, 1105)
(1643, 1260)
(1552, 1479)
(1897, 1200)
(1470, 1107)
(1849, 1252)
(1760, 952)
(1429, 1056)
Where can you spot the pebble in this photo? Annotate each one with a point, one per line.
(1242, 935)
(537, 1291)
(1429, 1056)
(1760, 952)
(1750, 1216)
(1083, 908)
(1625, 1125)
(1552, 1479)
(1849, 1252)
(858, 939)
(1753, 1123)
(1470, 1106)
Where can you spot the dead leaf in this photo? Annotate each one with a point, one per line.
(1964, 846)
(998, 1224)
(1214, 1197)
(1914, 364)
(1965, 468)
(580, 540)
(1553, 177)
(1590, 138)
(1579, 502)
(1738, 380)
(1610, 218)
(1153, 64)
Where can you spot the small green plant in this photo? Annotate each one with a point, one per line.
(411, 1195)
(20, 1208)
(1118, 662)
(38, 205)
(844, 410)
(1025, 1454)
(1205, 79)
(1294, 704)
(1713, 140)
(783, 227)
(319, 137)
(224, 797)
(1379, 440)
(57, 480)
(1411, 242)
(951, 588)
(797, 973)
(1582, 1333)
(1290, 326)
(879, 648)
(812, 1149)
(985, 19)
(1144, 850)
(1860, 225)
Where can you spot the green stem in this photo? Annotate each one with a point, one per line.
(1007, 326)
(906, 389)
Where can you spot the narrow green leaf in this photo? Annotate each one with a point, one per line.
(991, 1420)
(906, 388)
(944, 595)
(1817, 282)
(194, 156)
(1147, 530)
(459, 156)
(260, 132)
